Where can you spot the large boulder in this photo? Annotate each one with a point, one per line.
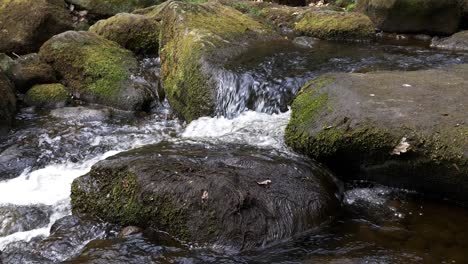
(97, 70)
(112, 7)
(196, 41)
(26, 24)
(458, 41)
(7, 104)
(413, 16)
(29, 70)
(226, 196)
(336, 25)
(137, 33)
(405, 129)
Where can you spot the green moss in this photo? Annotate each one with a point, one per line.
(105, 66)
(191, 33)
(307, 134)
(46, 95)
(336, 25)
(134, 32)
(118, 198)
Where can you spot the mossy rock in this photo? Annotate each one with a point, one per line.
(281, 17)
(7, 104)
(405, 129)
(26, 24)
(112, 7)
(333, 25)
(30, 70)
(5, 62)
(137, 33)
(413, 16)
(196, 41)
(458, 41)
(47, 96)
(208, 195)
(97, 70)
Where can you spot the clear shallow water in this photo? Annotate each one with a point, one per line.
(375, 225)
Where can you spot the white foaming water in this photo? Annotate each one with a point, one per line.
(51, 184)
(252, 128)
(48, 185)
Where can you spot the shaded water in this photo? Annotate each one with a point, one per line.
(47, 150)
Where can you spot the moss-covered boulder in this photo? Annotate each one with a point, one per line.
(196, 40)
(26, 24)
(97, 70)
(405, 129)
(47, 96)
(112, 7)
(336, 25)
(7, 104)
(458, 41)
(227, 196)
(29, 70)
(413, 16)
(137, 33)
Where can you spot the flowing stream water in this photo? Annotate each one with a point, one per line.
(47, 150)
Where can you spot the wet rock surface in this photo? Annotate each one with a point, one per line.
(28, 71)
(404, 129)
(68, 236)
(45, 18)
(458, 41)
(229, 197)
(22, 218)
(196, 40)
(415, 16)
(7, 104)
(97, 70)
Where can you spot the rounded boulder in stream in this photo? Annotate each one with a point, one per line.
(229, 197)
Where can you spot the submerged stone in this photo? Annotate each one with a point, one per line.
(404, 129)
(26, 24)
(336, 25)
(230, 197)
(97, 70)
(413, 16)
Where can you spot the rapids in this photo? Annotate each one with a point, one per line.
(48, 150)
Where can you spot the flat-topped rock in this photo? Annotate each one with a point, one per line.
(458, 42)
(406, 129)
